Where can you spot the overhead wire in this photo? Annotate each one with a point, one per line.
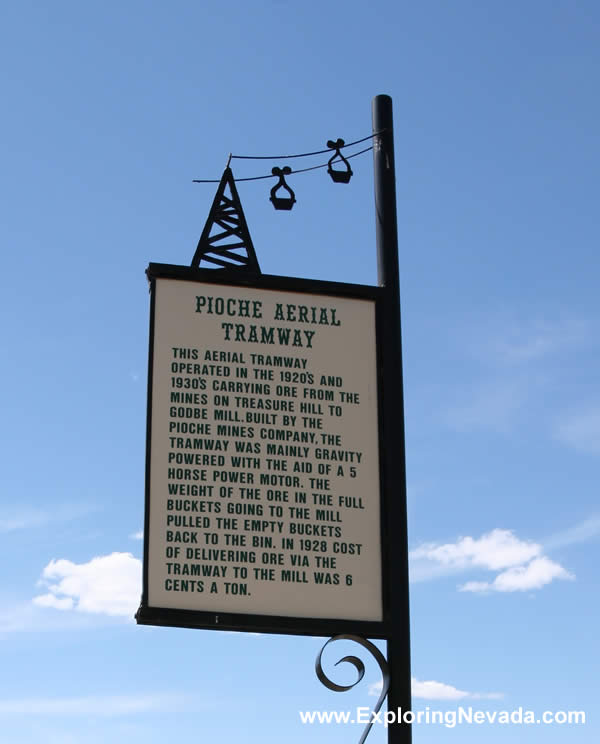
(304, 154)
(299, 170)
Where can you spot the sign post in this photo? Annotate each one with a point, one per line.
(398, 642)
(275, 477)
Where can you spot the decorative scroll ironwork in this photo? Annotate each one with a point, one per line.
(217, 249)
(339, 176)
(282, 202)
(360, 668)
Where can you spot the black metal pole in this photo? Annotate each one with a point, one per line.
(398, 643)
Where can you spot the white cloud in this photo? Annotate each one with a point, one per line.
(51, 600)
(581, 431)
(534, 575)
(139, 535)
(521, 563)
(116, 705)
(476, 587)
(109, 584)
(432, 690)
(494, 550)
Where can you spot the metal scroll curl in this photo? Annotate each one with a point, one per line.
(360, 668)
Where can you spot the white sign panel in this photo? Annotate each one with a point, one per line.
(264, 486)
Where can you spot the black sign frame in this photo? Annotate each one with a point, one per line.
(151, 615)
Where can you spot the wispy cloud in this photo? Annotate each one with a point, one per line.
(109, 584)
(30, 517)
(581, 430)
(22, 519)
(492, 405)
(110, 706)
(27, 617)
(521, 563)
(516, 359)
(589, 529)
(139, 535)
(509, 341)
(432, 690)
(536, 339)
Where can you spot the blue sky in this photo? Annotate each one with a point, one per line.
(110, 110)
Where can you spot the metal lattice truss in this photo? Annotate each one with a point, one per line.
(225, 242)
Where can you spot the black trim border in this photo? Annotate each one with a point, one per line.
(170, 617)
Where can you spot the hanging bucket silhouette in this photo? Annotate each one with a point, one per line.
(282, 202)
(338, 176)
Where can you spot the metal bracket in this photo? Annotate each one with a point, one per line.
(360, 668)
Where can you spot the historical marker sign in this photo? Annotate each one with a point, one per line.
(263, 503)
(275, 465)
